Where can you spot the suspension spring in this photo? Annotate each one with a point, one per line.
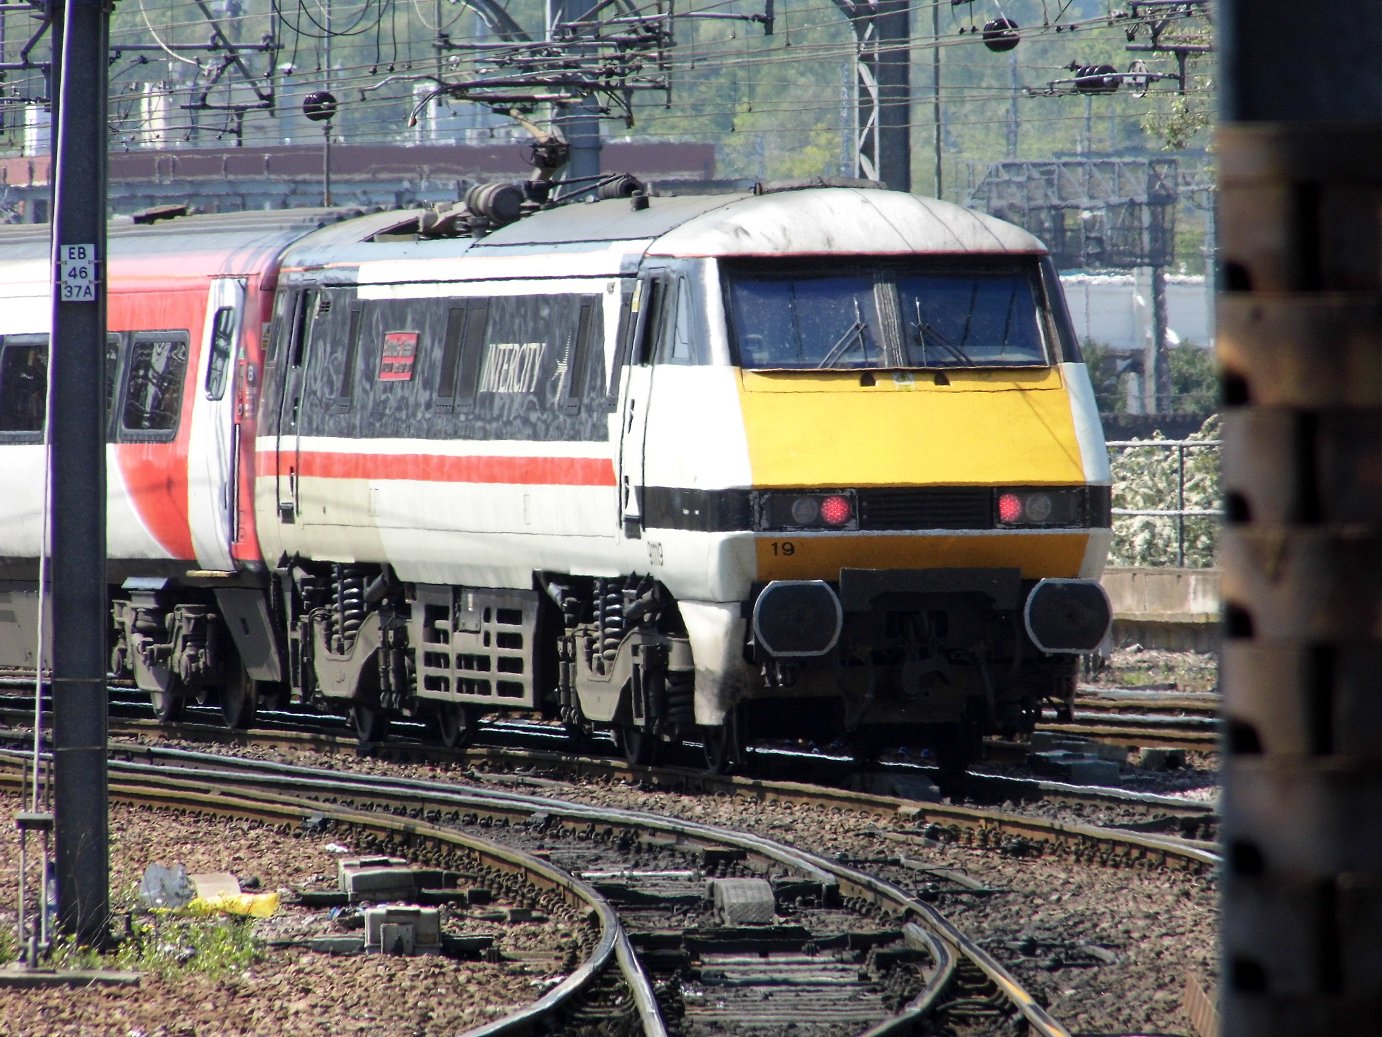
(611, 618)
(350, 604)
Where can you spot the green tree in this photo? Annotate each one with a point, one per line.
(1148, 477)
(1104, 375)
(1194, 379)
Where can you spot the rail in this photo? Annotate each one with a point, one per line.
(1179, 512)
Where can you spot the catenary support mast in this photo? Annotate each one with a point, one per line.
(76, 428)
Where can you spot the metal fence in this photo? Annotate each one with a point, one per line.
(1163, 483)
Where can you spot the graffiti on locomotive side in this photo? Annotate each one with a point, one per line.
(512, 367)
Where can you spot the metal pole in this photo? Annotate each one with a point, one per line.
(1299, 336)
(1013, 121)
(884, 81)
(1161, 362)
(580, 122)
(936, 87)
(76, 426)
(893, 20)
(326, 164)
(1180, 505)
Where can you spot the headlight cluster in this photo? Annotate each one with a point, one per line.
(808, 509)
(1039, 507)
(930, 508)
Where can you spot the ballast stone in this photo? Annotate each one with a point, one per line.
(743, 901)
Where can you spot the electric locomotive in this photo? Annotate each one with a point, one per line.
(809, 461)
(821, 462)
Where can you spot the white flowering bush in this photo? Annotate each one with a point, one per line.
(1145, 478)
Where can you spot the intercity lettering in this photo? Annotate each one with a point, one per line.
(512, 367)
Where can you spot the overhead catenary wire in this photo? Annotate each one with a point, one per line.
(813, 34)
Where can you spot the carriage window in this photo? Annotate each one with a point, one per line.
(582, 346)
(649, 301)
(153, 383)
(23, 385)
(459, 378)
(112, 370)
(222, 341)
(347, 389)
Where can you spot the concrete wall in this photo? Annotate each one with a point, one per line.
(227, 179)
(1115, 309)
(1176, 609)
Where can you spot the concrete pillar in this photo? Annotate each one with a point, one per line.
(1300, 341)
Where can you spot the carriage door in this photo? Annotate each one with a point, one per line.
(646, 315)
(294, 351)
(213, 451)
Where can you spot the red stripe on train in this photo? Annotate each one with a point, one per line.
(527, 471)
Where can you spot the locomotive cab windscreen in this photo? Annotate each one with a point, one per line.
(924, 313)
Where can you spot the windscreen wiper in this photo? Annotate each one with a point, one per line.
(924, 330)
(844, 343)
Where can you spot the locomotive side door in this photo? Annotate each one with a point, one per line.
(293, 349)
(213, 454)
(646, 315)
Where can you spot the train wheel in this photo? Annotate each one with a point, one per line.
(456, 724)
(639, 745)
(370, 722)
(724, 749)
(168, 705)
(580, 736)
(239, 700)
(957, 746)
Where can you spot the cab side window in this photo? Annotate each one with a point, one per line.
(678, 338)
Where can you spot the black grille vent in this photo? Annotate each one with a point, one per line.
(946, 507)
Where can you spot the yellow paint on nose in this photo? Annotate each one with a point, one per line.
(983, 428)
(842, 430)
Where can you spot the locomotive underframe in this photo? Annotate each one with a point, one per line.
(925, 655)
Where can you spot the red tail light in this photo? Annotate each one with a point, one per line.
(836, 510)
(1009, 507)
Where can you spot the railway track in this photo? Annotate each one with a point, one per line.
(1141, 717)
(1166, 701)
(1165, 825)
(843, 951)
(609, 963)
(1127, 717)
(1123, 717)
(1132, 831)
(1135, 730)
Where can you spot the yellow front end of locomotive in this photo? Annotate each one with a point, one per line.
(963, 428)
